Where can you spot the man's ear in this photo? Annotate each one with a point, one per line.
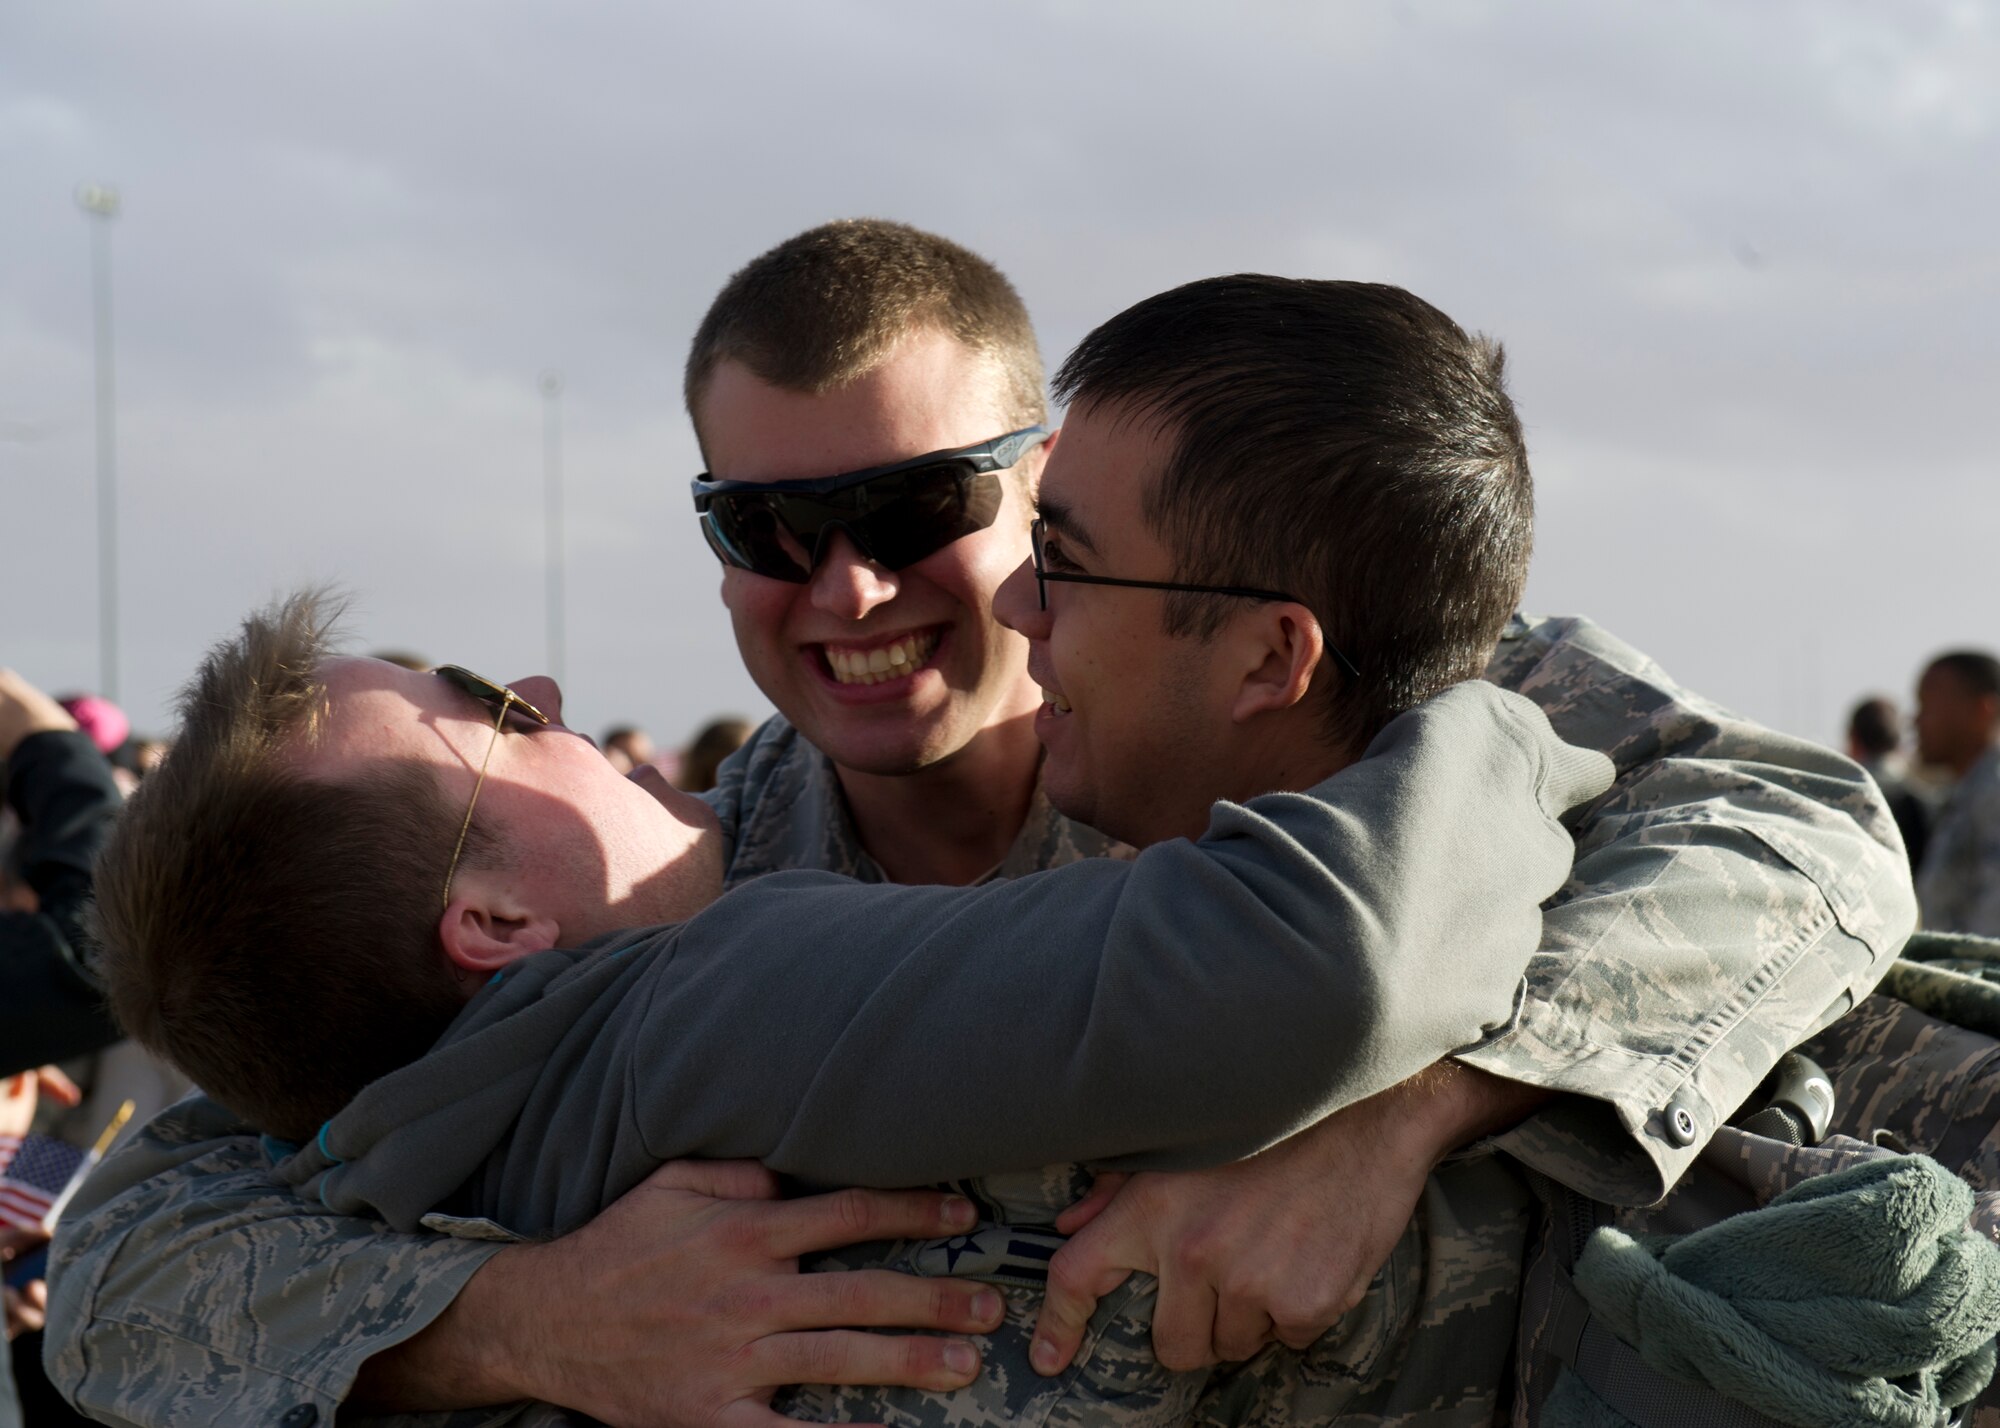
(487, 927)
(1285, 649)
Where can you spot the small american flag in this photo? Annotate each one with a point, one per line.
(34, 1171)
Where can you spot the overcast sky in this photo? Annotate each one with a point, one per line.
(1742, 257)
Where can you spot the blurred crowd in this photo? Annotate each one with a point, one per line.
(1943, 785)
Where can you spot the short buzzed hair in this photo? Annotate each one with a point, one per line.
(1345, 442)
(829, 306)
(273, 936)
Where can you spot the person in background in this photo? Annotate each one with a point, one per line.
(99, 718)
(718, 739)
(147, 754)
(628, 747)
(1875, 740)
(60, 788)
(31, 981)
(108, 728)
(1958, 723)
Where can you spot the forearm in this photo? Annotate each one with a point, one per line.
(471, 1355)
(1458, 1104)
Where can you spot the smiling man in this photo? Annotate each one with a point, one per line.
(906, 711)
(1733, 890)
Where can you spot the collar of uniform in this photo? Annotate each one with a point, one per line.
(800, 819)
(1049, 840)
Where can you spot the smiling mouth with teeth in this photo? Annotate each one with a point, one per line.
(885, 662)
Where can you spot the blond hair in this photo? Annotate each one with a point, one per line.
(830, 305)
(271, 935)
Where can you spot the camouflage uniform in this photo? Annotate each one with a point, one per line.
(781, 805)
(1735, 891)
(1959, 882)
(1703, 801)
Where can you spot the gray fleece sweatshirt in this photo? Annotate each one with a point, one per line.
(1189, 1007)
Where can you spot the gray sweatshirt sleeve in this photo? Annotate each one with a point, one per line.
(1185, 1009)
(1195, 1005)
(1191, 1006)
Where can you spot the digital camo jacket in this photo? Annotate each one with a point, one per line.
(1736, 890)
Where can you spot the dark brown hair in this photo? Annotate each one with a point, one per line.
(716, 741)
(1344, 442)
(830, 305)
(1874, 726)
(273, 936)
(1976, 670)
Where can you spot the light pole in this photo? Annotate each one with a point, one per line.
(100, 204)
(552, 390)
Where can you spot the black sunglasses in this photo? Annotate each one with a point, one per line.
(896, 514)
(1038, 536)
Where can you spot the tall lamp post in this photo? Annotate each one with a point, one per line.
(100, 205)
(552, 390)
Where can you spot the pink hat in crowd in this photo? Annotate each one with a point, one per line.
(98, 717)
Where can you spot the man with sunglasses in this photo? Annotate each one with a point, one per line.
(906, 750)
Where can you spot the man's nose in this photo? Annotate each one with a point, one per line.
(1017, 604)
(847, 583)
(542, 692)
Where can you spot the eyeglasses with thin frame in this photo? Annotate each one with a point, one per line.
(1038, 535)
(501, 700)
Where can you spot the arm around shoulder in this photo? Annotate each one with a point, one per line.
(1192, 1006)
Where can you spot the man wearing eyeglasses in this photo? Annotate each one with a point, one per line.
(906, 750)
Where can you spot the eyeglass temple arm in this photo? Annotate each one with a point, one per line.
(1346, 664)
(479, 783)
